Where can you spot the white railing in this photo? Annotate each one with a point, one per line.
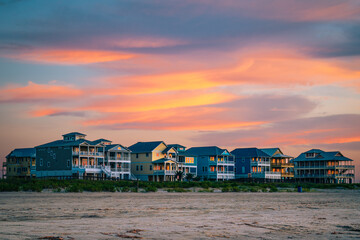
(326, 166)
(85, 153)
(165, 172)
(119, 159)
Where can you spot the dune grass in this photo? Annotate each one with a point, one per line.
(76, 185)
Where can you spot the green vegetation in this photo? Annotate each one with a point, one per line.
(38, 185)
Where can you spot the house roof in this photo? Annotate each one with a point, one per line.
(176, 146)
(185, 154)
(23, 152)
(74, 133)
(205, 151)
(108, 147)
(143, 147)
(168, 149)
(62, 143)
(162, 160)
(322, 156)
(270, 151)
(249, 152)
(100, 141)
(281, 156)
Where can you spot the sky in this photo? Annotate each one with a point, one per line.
(250, 73)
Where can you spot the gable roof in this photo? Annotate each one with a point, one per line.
(23, 152)
(143, 147)
(206, 151)
(249, 152)
(62, 143)
(100, 141)
(270, 151)
(109, 147)
(168, 149)
(176, 146)
(73, 133)
(322, 156)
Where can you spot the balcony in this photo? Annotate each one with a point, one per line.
(267, 175)
(119, 159)
(288, 175)
(262, 163)
(164, 172)
(287, 165)
(323, 175)
(85, 153)
(326, 167)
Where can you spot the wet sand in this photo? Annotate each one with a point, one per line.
(331, 214)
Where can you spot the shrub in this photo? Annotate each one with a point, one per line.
(150, 189)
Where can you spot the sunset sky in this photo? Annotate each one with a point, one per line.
(264, 73)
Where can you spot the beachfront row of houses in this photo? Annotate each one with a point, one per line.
(76, 157)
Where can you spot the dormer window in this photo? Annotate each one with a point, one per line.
(311, 155)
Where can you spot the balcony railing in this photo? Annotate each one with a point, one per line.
(262, 163)
(287, 175)
(88, 166)
(323, 175)
(164, 172)
(327, 166)
(119, 159)
(85, 153)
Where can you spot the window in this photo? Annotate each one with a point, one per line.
(137, 155)
(243, 160)
(212, 168)
(141, 167)
(212, 158)
(147, 154)
(48, 164)
(205, 169)
(137, 167)
(41, 162)
(243, 169)
(68, 163)
(150, 168)
(310, 155)
(157, 154)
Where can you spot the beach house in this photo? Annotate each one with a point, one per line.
(19, 163)
(213, 163)
(187, 163)
(153, 161)
(318, 166)
(281, 163)
(74, 156)
(253, 163)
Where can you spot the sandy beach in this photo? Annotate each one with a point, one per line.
(333, 214)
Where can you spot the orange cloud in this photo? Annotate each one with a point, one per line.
(256, 66)
(44, 112)
(199, 118)
(161, 101)
(35, 92)
(70, 56)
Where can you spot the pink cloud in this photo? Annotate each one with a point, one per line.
(38, 92)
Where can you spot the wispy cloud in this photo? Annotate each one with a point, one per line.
(34, 92)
